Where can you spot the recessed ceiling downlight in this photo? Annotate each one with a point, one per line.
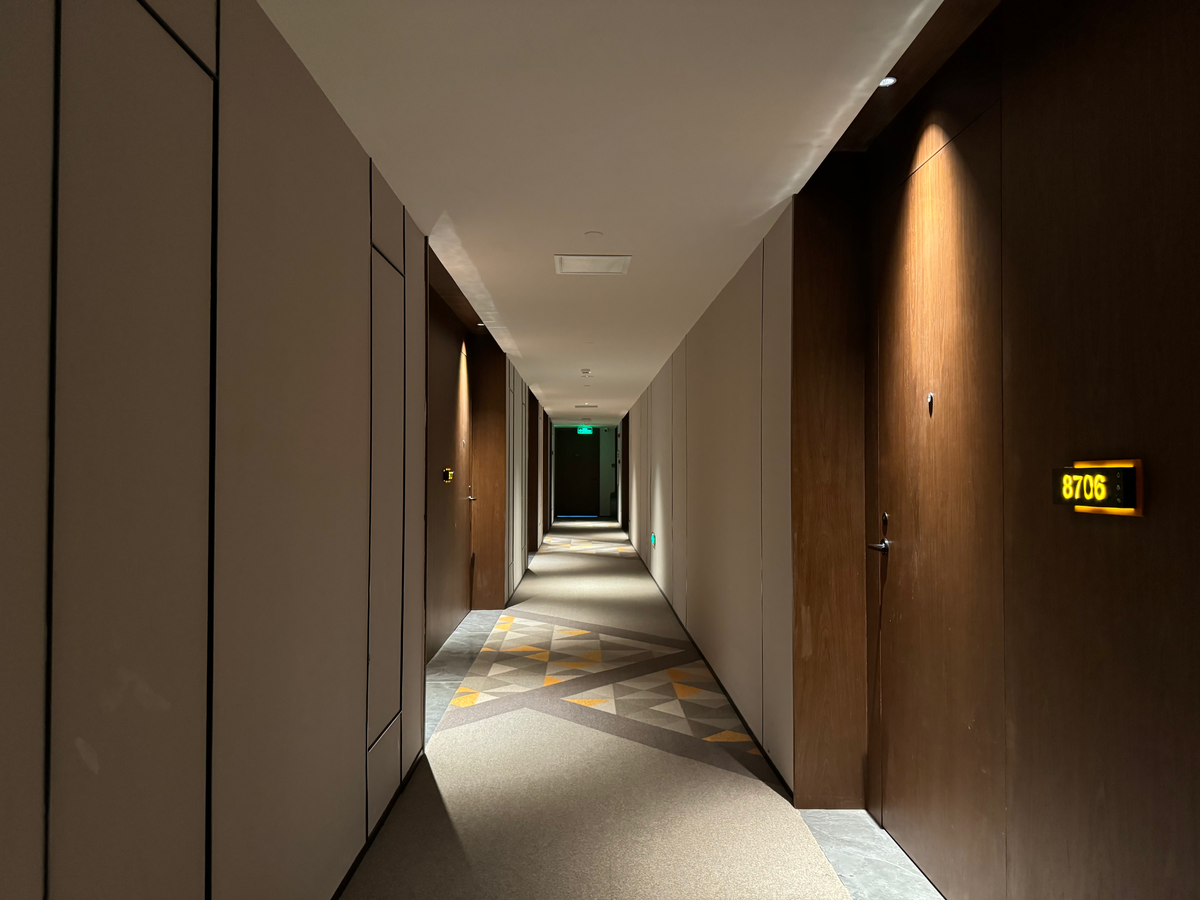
(572, 264)
(887, 82)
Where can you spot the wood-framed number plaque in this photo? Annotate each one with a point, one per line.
(1109, 487)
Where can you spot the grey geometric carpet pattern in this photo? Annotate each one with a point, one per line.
(646, 688)
(524, 654)
(559, 544)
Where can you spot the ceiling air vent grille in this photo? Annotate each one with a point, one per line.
(567, 264)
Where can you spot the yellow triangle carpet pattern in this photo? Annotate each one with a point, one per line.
(522, 655)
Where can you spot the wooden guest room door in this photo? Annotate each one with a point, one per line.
(940, 486)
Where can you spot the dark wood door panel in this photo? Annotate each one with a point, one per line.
(942, 585)
(448, 553)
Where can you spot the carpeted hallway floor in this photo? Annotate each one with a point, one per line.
(580, 748)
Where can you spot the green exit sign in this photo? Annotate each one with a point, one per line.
(584, 429)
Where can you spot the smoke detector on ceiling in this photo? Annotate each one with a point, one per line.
(570, 264)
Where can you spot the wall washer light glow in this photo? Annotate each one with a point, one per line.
(887, 82)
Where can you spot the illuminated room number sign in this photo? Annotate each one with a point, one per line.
(1108, 487)
(1085, 487)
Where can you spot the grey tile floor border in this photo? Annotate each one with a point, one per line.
(867, 860)
(449, 666)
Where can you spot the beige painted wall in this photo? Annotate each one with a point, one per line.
(387, 221)
(129, 687)
(659, 486)
(26, 154)
(416, 310)
(131, 577)
(292, 478)
(387, 496)
(707, 418)
(710, 445)
(678, 594)
(194, 22)
(517, 429)
(639, 511)
(724, 488)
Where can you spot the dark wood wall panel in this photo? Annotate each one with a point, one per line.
(129, 687)
(966, 86)
(26, 196)
(488, 470)
(829, 640)
(448, 511)
(949, 27)
(292, 476)
(1101, 223)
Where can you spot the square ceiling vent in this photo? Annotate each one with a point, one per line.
(567, 264)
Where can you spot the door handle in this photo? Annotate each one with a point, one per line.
(472, 498)
(881, 547)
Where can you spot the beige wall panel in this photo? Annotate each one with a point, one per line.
(26, 154)
(637, 475)
(518, 464)
(195, 21)
(679, 482)
(387, 220)
(130, 591)
(383, 772)
(387, 495)
(777, 495)
(292, 479)
(723, 471)
(413, 662)
(659, 484)
(644, 484)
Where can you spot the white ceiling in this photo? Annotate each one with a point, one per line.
(679, 128)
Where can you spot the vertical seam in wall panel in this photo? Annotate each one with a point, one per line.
(762, 604)
(1003, 542)
(178, 40)
(212, 469)
(51, 387)
(424, 263)
(370, 477)
(404, 475)
(403, 470)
